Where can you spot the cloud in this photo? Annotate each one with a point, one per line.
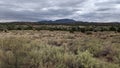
(83, 10)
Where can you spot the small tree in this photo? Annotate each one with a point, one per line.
(118, 30)
(83, 30)
(112, 28)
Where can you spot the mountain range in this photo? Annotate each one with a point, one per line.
(59, 21)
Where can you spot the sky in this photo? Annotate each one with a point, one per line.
(80, 10)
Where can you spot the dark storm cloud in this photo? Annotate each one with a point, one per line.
(35, 10)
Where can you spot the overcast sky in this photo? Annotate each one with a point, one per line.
(82, 10)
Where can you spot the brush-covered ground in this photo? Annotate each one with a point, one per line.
(59, 49)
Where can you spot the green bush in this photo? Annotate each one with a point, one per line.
(118, 30)
(113, 28)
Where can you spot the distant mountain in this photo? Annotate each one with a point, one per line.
(64, 21)
(59, 21)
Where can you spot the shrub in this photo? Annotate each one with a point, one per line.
(88, 32)
(24, 53)
(83, 30)
(118, 30)
(113, 28)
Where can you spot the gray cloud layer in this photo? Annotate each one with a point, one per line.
(85, 10)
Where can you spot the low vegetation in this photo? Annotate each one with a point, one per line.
(63, 27)
(59, 49)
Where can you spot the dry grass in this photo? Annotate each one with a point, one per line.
(59, 49)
